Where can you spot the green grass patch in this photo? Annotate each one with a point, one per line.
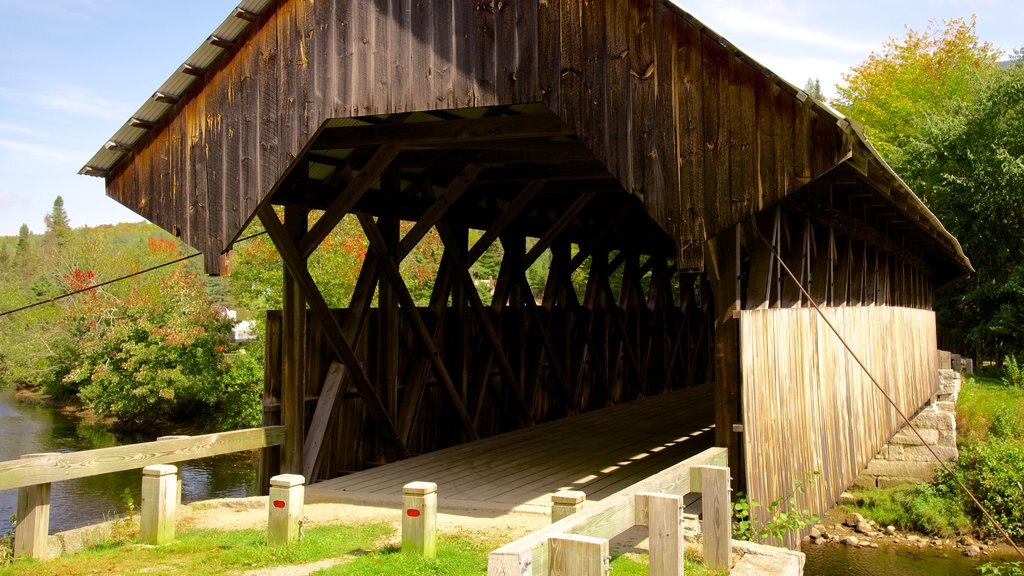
(456, 555)
(926, 508)
(638, 565)
(984, 401)
(208, 552)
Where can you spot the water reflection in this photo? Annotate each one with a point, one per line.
(75, 503)
(886, 561)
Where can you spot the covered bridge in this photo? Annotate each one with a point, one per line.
(623, 137)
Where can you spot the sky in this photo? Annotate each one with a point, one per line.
(73, 71)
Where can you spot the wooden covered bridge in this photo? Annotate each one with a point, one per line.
(622, 137)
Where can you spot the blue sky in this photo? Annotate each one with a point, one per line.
(72, 71)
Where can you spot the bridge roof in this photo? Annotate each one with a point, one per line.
(629, 122)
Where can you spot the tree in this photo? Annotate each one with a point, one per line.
(813, 89)
(58, 225)
(24, 242)
(896, 91)
(969, 164)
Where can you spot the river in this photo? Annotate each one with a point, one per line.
(838, 560)
(28, 428)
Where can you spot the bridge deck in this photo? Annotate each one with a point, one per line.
(599, 453)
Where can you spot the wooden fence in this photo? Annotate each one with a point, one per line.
(809, 407)
(571, 545)
(33, 475)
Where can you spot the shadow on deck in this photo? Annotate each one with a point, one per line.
(599, 453)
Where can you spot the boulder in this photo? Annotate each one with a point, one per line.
(851, 541)
(853, 520)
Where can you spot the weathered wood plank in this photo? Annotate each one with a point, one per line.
(72, 465)
(615, 515)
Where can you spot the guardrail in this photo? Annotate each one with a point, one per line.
(578, 544)
(33, 473)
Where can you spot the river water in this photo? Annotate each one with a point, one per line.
(27, 428)
(837, 560)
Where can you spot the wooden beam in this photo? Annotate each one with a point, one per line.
(335, 337)
(462, 271)
(521, 202)
(390, 269)
(723, 256)
(556, 229)
(348, 198)
(329, 392)
(438, 209)
(293, 357)
(72, 465)
(442, 132)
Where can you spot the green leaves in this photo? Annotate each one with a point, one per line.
(780, 519)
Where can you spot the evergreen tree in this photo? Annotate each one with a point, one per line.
(58, 225)
(23, 242)
(813, 89)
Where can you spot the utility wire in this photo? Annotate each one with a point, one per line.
(109, 282)
(871, 376)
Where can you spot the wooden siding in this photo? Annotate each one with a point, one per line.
(808, 406)
(678, 116)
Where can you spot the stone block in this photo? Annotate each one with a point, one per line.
(890, 481)
(906, 437)
(920, 470)
(947, 438)
(922, 454)
(935, 420)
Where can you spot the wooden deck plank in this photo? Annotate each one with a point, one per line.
(599, 452)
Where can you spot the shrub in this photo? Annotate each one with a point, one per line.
(1013, 374)
(927, 508)
(1006, 423)
(993, 471)
(779, 519)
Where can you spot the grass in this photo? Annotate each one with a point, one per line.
(633, 565)
(207, 552)
(920, 508)
(982, 400)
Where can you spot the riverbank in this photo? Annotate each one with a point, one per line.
(33, 396)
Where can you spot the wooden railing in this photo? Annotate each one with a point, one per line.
(33, 474)
(578, 543)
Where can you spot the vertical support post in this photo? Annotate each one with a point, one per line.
(293, 335)
(575, 555)
(419, 519)
(724, 254)
(33, 518)
(717, 528)
(664, 521)
(158, 485)
(566, 503)
(287, 495)
(177, 498)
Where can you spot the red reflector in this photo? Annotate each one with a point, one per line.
(413, 512)
(278, 503)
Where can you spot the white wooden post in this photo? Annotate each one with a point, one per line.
(158, 484)
(717, 525)
(575, 555)
(419, 519)
(665, 531)
(566, 503)
(33, 518)
(287, 496)
(177, 498)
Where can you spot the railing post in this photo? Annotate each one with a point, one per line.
(717, 526)
(419, 518)
(664, 522)
(575, 555)
(33, 518)
(566, 503)
(287, 495)
(158, 508)
(177, 499)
